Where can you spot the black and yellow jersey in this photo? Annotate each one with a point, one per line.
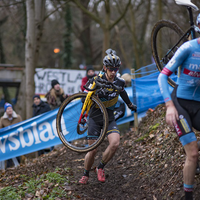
(109, 98)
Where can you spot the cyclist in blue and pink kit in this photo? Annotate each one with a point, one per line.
(183, 105)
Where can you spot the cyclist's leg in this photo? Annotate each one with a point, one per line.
(93, 130)
(196, 125)
(113, 139)
(88, 162)
(188, 139)
(89, 158)
(189, 170)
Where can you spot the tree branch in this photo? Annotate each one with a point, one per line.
(96, 19)
(122, 15)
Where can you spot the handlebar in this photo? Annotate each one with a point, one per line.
(101, 83)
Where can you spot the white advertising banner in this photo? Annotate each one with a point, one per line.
(70, 80)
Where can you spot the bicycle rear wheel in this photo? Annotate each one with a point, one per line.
(73, 134)
(165, 40)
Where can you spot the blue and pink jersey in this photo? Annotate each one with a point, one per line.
(188, 57)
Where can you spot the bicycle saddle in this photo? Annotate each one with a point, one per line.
(187, 3)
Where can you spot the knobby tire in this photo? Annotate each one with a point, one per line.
(74, 116)
(165, 35)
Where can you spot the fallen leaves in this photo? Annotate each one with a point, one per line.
(148, 168)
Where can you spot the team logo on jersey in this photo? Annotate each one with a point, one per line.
(196, 54)
(194, 66)
(185, 125)
(191, 73)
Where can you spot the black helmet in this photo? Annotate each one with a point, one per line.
(111, 59)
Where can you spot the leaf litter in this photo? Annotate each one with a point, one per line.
(147, 166)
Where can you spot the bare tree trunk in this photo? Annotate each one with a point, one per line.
(86, 36)
(39, 22)
(106, 41)
(20, 106)
(106, 29)
(30, 56)
(108, 25)
(159, 9)
(134, 38)
(127, 63)
(35, 16)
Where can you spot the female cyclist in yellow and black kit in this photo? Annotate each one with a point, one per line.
(111, 64)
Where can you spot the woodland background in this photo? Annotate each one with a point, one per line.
(82, 30)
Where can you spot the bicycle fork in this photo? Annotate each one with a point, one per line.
(87, 104)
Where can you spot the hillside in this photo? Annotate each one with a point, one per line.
(146, 166)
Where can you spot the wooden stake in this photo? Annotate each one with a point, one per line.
(135, 102)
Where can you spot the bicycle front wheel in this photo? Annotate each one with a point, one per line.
(166, 38)
(73, 129)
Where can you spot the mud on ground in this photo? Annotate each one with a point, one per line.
(146, 166)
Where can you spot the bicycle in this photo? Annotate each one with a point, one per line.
(167, 37)
(72, 120)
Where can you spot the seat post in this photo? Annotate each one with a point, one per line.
(191, 22)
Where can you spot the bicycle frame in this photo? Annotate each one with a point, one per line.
(189, 6)
(186, 34)
(191, 22)
(163, 55)
(88, 103)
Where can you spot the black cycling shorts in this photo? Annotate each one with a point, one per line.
(189, 116)
(94, 127)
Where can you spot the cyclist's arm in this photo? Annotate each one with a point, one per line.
(125, 97)
(171, 113)
(179, 57)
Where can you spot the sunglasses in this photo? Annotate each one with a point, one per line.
(115, 69)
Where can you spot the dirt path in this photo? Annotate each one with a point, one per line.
(147, 167)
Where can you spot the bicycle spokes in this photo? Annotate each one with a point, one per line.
(73, 120)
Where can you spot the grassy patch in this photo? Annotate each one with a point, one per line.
(47, 186)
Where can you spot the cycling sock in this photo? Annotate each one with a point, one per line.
(101, 164)
(86, 172)
(188, 191)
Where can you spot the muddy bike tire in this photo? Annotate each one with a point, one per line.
(74, 135)
(165, 35)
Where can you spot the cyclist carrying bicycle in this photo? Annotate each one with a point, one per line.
(183, 105)
(111, 64)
